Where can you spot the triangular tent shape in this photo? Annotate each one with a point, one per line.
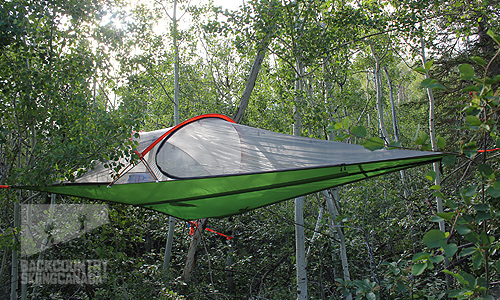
(210, 166)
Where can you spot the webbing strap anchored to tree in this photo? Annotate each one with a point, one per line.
(193, 225)
(488, 150)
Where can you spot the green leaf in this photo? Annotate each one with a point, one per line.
(496, 185)
(470, 280)
(435, 187)
(425, 147)
(481, 216)
(481, 207)
(419, 256)
(446, 215)
(371, 296)
(449, 160)
(479, 60)
(436, 259)
(470, 88)
(486, 171)
(395, 144)
(374, 143)
(339, 125)
(441, 143)
(459, 277)
(473, 121)
(461, 229)
(428, 64)
(433, 237)
(493, 192)
(472, 237)
(345, 121)
(330, 128)
(436, 86)
(439, 195)
(449, 249)
(420, 70)
(436, 219)
(469, 191)
(476, 260)
(418, 269)
(359, 131)
(466, 71)
(495, 37)
(467, 251)
(431, 175)
(422, 139)
(485, 239)
(427, 82)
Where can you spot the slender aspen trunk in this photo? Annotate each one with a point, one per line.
(378, 89)
(300, 249)
(316, 230)
(171, 220)
(168, 246)
(396, 128)
(252, 78)
(332, 200)
(432, 133)
(14, 278)
(176, 65)
(229, 265)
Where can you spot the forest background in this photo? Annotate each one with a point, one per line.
(78, 76)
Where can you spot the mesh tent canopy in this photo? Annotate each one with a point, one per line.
(209, 166)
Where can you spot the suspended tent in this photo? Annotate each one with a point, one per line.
(210, 166)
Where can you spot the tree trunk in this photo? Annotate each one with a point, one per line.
(168, 246)
(193, 248)
(316, 230)
(378, 89)
(300, 248)
(396, 128)
(176, 66)
(252, 78)
(229, 266)
(171, 220)
(14, 278)
(432, 133)
(393, 107)
(332, 203)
